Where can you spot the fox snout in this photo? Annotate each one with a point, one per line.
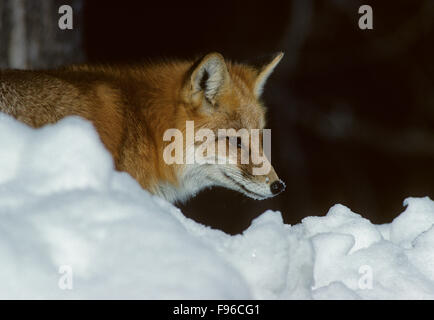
(259, 187)
(277, 187)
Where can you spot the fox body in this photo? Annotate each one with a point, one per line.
(132, 107)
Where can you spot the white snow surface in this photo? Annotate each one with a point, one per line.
(71, 227)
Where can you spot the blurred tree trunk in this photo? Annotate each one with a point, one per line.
(31, 38)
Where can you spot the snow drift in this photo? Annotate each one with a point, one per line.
(72, 227)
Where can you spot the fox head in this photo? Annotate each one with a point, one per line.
(221, 102)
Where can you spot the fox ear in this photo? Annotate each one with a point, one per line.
(210, 76)
(264, 74)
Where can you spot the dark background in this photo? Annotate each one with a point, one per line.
(351, 111)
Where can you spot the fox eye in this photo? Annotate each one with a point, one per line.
(239, 142)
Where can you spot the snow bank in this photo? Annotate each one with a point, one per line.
(71, 227)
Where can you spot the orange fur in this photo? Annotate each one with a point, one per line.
(132, 107)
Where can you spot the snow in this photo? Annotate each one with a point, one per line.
(71, 227)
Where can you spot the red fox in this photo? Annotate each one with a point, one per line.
(132, 108)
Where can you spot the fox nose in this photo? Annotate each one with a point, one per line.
(277, 187)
